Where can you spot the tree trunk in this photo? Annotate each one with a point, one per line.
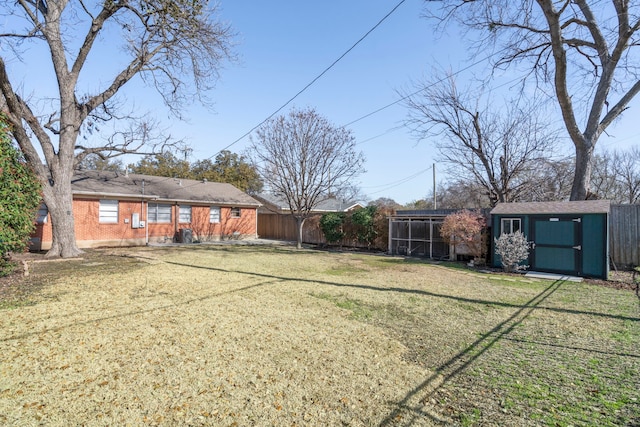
(582, 176)
(59, 200)
(300, 223)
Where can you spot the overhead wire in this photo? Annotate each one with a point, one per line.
(330, 67)
(315, 79)
(400, 182)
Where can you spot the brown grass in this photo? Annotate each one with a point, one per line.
(222, 335)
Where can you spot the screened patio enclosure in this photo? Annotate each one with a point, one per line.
(417, 234)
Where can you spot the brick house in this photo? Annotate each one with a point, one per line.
(118, 209)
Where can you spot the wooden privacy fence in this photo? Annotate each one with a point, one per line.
(284, 227)
(624, 235)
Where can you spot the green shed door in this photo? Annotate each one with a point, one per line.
(557, 244)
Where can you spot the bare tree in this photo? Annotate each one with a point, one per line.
(603, 177)
(627, 169)
(460, 194)
(495, 150)
(385, 203)
(550, 181)
(175, 46)
(304, 158)
(616, 176)
(586, 51)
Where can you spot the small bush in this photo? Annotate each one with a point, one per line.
(331, 225)
(513, 248)
(364, 221)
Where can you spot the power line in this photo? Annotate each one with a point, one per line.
(402, 180)
(399, 182)
(486, 58)
(396, 128)
(316, 78)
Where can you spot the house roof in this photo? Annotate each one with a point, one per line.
(331, 204)
(119, 185)
(435, 212)
(557, 208)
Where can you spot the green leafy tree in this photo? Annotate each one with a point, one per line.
(95, 162)
(163, 164)
(230, 168)
(20, 196)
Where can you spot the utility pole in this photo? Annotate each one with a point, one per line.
(435, 201)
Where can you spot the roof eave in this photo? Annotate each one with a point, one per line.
(208, 202)
(96, 194)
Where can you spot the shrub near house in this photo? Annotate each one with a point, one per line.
(19, 197)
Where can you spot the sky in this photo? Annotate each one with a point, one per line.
(283, 45)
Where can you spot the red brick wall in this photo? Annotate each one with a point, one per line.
(245, 226)
(91, 233)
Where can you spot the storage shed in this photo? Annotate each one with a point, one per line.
(566, 237)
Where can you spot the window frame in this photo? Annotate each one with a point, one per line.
(182, 214)
(218, 216)
(43, 214)
(511, 221)
(152, 213)
(235, 212)
(106, 211)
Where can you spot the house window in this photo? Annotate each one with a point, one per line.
(509, 225)
(108, 211)
(214, 215)
(185, 214)
(43, 212)
(159, 212)
(235, 212)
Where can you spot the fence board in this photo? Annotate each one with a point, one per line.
(284, 227)
(624, 235)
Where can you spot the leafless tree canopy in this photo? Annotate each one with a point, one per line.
(497, 149)
(616, 176)
(304, 158)
(585, 51)
(176, 46)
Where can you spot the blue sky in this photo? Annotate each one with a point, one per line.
(283, 45)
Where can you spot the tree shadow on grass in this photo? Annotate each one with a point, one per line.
(419, 292)
(411, 407)
(136, 312)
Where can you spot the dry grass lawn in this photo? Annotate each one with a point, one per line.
(262, 336)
